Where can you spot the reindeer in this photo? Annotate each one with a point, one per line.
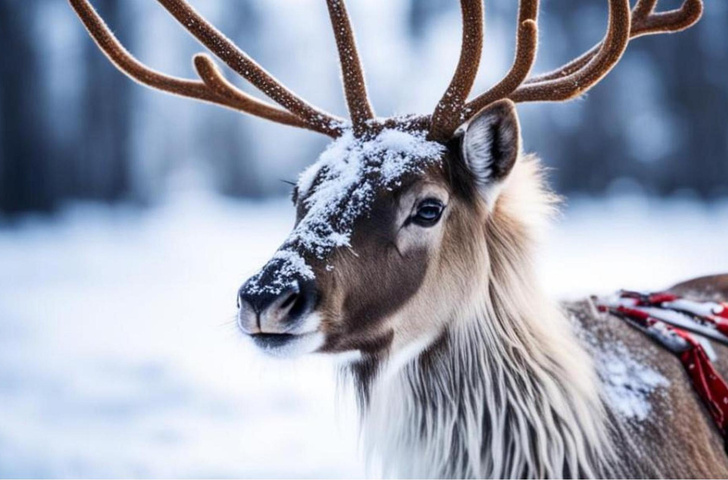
(413, 247)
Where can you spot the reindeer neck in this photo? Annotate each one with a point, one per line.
(506, 391)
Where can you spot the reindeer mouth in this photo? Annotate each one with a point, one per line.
(272, 340)
(288, 344)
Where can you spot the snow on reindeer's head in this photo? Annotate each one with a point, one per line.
(339, 189)
(389, 228)
(396, 220)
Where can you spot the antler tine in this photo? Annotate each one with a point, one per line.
(602, 62)
(643, 7)
(229, 97)
(216, 82)
(352, 73)
(644, 22)
(647, 22)
(526, 48)
(247, 68)
(447, 116)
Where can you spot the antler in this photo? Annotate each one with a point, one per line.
(571, 80)
(351, 69)
(223, 93)
(446, 117)
(526, 48)
(601, 63)
(214, 88)
(644, 22)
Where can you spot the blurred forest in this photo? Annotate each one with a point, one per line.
(73, 128)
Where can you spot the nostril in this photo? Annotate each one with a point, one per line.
(299, 306)
(292, 297)
(277, 306)
(305, 300)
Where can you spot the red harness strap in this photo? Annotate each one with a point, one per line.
(707, 382)
(655, 314)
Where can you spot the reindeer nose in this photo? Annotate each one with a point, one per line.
(276, 312)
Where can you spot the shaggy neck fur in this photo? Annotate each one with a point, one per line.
(506, 391)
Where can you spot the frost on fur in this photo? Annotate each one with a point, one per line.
(340, 188)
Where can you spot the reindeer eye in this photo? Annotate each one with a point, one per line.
(428, 212)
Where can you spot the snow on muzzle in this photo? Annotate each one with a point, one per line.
(276, 304)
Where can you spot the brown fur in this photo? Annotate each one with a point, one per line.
(679, 439)
(707, 288)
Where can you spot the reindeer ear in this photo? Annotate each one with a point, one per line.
(491, 145)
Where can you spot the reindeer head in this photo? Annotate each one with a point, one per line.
(387, 239)
(390, 237)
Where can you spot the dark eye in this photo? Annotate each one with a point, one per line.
(428, 212)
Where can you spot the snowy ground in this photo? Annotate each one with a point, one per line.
(119, 356)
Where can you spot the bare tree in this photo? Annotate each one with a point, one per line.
(24, 182)
(102, 171)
